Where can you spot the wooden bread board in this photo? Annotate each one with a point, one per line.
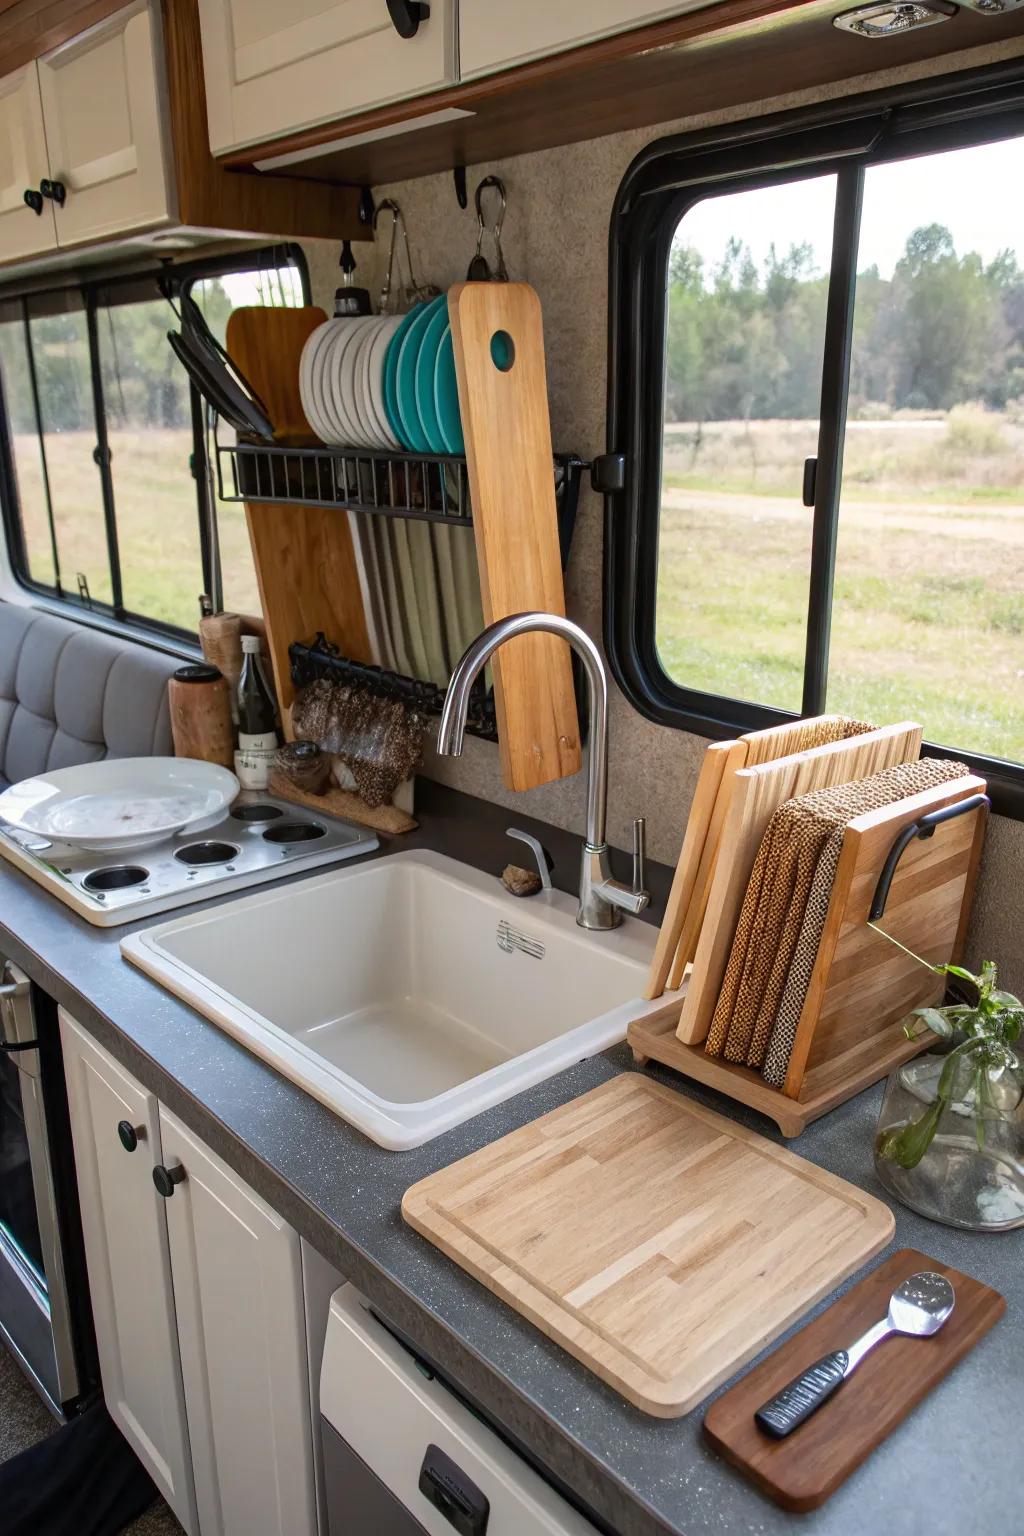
(658, 1242)
(515, 522)
(757, 794)
(803, 1470)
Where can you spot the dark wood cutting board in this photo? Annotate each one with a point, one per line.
(803, 1470)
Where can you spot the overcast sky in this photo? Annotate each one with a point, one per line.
(977, 193)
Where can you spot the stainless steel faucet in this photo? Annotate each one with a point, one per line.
(603, 899)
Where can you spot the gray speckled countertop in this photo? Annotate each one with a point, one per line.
(945, 1470)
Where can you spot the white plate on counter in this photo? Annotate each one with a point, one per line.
(119, 803)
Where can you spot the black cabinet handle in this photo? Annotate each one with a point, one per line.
(130, 1135)
(34, 199)
(166, 1178)
(444, 1485)
(406, 16)
(55, 190)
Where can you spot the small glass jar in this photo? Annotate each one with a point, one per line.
(971, 1174)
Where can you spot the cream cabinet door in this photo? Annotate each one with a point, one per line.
(104, 111)
(23, 165)
(272, 68)
(237, 1273)
(495, 35)
(127, 1257)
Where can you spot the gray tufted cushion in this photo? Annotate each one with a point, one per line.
(71, 695)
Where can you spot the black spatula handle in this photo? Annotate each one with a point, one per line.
(805, 1393)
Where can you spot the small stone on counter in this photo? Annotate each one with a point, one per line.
(521, 882)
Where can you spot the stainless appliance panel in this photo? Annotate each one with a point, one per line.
(34, 1308)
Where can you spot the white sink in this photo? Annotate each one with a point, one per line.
(388, 992)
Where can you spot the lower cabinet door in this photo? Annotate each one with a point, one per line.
(238, 1294)
(115, 1128)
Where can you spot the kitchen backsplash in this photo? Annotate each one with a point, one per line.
(556, 237)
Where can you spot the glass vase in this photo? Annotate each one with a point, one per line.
(971, 1173)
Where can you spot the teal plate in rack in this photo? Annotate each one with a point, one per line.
(446, 396)
(425, 365)
(391, 375)
(413, 430)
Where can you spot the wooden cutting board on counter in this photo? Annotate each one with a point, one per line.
(658, 1242)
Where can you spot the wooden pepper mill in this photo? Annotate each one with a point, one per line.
(200, 705)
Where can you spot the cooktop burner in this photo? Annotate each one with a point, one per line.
(295, 832)
(119, 877)
(261, 838)
(197, 854)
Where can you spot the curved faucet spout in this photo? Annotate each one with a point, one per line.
(479, 653)
(602, 898)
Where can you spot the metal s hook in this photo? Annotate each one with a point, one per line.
(398, 230)
(479, 269)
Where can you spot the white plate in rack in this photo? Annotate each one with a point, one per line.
(119, 803)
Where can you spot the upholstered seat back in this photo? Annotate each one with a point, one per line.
(69, 695)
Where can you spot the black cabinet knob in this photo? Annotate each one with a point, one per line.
(130, 1135)
(34, 199)
(166, 1178)
(55, 190)
(406, 16)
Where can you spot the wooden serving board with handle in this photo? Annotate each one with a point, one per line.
(757, 794)
(498, 341)
(658, 1242)
(801, 1471)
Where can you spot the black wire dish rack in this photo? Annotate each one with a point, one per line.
(431, 488)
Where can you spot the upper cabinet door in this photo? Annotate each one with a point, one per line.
(237, 1273)
(272, 68)
(23, 165)
(495, 35)
(104, 110)
(128, 1261)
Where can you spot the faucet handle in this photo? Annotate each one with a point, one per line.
(539, 853)
(639, 854)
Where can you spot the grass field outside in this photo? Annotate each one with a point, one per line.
(928, 621)
(157, 523)
(929, 600)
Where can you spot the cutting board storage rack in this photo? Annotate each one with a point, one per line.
(850, 1033)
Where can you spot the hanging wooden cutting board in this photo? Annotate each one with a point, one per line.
(658, 1242)
(499, 360)
(306, 565)
(757, 794)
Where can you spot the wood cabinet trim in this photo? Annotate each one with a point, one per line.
(705, 61)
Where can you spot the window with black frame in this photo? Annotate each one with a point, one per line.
(105, 442)
(817, 385)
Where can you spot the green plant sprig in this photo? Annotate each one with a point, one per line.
(990, 1027)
